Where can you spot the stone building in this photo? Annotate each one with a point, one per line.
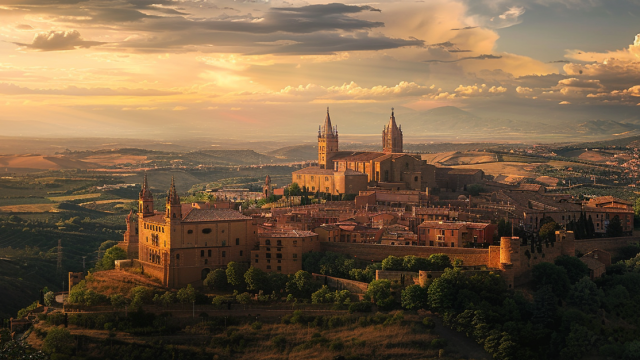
(455, 233)
(130, 240)
(281, 250)
(341, 172)
(183, 244)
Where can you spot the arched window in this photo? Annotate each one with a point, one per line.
(206, 230)
(174, 215)
(177, 256)
(267, 242)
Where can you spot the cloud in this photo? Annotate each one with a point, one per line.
(478, 90)
(59, 40)
(559, 62)
(24, 27)
(632, 53)
(465, 28)
(565, 103)
(479, 57)
(12, 89)
(508, 18)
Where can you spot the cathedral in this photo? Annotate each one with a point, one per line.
(349, 172)
(182, 244)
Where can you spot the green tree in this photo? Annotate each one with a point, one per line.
(443, 291)
(235, 274)
(548, 231)
(110, 256)
(576, 269)
(414, 297)
(294, 189)
(614, 229)
(277, 282)
(545, 306)
(393, 263)
(49, 298)
(322, 296)
(379, 291)
(105, 245)
(549, 274)
(439, 262)
(301, 284)
(139, 296)
(578, 343)
(58, 341)
(118, 301)
(256, 279)
(216, 280)
(167, 298)
(187, 294)
(585, 295)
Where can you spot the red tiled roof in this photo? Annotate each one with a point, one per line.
(196, 215)
(357, 156)
(314, 170)
(287, 234)
(443, 225)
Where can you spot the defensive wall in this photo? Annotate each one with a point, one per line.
(355, 287)
(378, 252)
(406, 278)
(607, 244)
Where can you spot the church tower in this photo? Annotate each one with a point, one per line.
(392, 136)
(266, 189)
(327, 143)
(173, 208)
(145, 200)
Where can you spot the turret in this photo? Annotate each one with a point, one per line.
(145, 199)
(266, 189)
(327, 143)
(173, 208)
(392, 136)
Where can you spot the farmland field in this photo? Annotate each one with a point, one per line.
(30, 208)
(74, 197)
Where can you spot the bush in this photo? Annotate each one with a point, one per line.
(336, 345)
(362, 306)
(438, 343)
(280, 342)
(58, 341)
(256, 325)
(428, 323)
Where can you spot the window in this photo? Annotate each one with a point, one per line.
(279, 268)
(279, 261)
(268, 255)
(267, 242)
(312, 178)
(452, 245)
(256, 255)
(256, 261)
(279, 249)
(237, 241)
(240, 252)
(206, 231)
(268, 267)
(295, 256)
(224, 254)
(279, 242)
(223, 231)
(415, 179)
(295, 242)
(279, 256)
(201, 253)
(177, 256)
(209, 253)
(406, 165)
(313, 188)
(430, 243)
(326, 178)
(206, 261)
(268, 249)
(452, 233)
(189, 231)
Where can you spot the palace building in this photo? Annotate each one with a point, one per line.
(349, 172)
(184, 243)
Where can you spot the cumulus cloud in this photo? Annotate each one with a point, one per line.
(632, 53)
(59, 40)
(478, 90)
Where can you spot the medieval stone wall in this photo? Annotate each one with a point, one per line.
(376, 252)
(355, 287)
(607, 244)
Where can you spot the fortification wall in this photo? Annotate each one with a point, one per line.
(607, 244)
(376, 252)
(355, 287)
(410, 278)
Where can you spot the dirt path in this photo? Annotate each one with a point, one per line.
(459, 342)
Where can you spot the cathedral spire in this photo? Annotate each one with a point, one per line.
(173, 197)
(392, 136)
(328, 129)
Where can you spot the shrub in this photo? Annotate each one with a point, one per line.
(280, 342)
(336, 345)
(362, 306)
(58, 341)
(438, 343)
(256, 325)
(428, 323)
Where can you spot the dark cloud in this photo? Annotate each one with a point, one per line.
(559, 62)
(59, 40)
(479, 57)
(465, 28)
(445, 44)
(458, 51)
(11, 89)
(540, 81)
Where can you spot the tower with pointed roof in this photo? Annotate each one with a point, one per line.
(327, 143)
(145, 200)
(173, 208)
(266, 189)
(392, 136)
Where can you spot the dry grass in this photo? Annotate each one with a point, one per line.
(115, 159)
(30, 208)
(73, 197)
(119, 282)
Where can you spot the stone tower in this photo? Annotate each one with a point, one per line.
(266, 189)
(145, 200)
(327, 143)
(173, 208)
(392, 136)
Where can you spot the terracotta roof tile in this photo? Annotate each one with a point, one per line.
(196, 215)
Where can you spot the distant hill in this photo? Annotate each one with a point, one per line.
(296, 152)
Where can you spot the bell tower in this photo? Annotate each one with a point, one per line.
(392, 136)
(327, 143)
(145, 200)
(173, 208)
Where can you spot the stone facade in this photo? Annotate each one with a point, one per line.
(281, 251)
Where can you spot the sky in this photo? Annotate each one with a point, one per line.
(264, 69)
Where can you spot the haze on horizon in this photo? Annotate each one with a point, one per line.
(163, 68)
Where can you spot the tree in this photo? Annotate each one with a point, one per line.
(414, 297)
(548, 231)
(442, 293)
(107, 245)
(577, 343)
(216, 280)
(576, 269)
(324, 295)
(235, 272)
(167, 298)
(294, 189)
(555, 276)
(117, 301)
(585, 295)
(614, 229)
(301, 284)
(58, 341)
(277, 282)
(379, 291)
(545, 306)
(393, 263)
(139, 296)
(110, 256)
(187, 294)
(49, 298)
(439, 262)
(256, 279)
